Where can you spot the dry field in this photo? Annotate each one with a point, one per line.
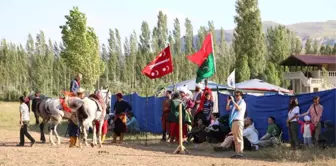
(134, 151)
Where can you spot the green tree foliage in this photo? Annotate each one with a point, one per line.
(244, 72)
(298, 46)
(316, 47)
(323, 50)
(272, 74)
(50, 66)
(309, 46)
(329, 50)
(81, 48)
(334, 49)
(162, 31)
(189, 36)
(278, 49)
(177, 37)
(248, 39)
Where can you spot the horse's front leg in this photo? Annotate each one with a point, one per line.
(58, 138)
(94, 134)
(51, 128)
(85, 135)
(42, 131)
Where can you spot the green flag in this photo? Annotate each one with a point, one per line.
(207, 68)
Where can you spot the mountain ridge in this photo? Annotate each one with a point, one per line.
(324, 31)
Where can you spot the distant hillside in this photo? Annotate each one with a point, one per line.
(323, 31)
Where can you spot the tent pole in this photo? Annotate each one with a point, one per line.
(146, 113)
(180, 149)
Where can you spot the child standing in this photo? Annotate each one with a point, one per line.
(307, 129)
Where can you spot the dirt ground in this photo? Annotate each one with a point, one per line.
(130, 153)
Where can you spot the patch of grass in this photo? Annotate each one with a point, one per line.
(285, 153)
(9, 115)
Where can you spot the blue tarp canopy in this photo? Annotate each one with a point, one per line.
(148, 112)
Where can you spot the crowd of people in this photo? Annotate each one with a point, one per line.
(236, 131)
(200, 123)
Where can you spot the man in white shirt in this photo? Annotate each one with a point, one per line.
(24, 121)
(250, 135)
(238, 109)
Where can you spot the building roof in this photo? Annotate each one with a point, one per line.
(260, 85)
(308, 60)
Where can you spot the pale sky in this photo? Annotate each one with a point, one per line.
(21, 17)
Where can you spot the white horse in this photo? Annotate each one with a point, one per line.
(51, 110)
(94, 111)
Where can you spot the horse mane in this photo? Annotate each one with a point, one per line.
(94, 96)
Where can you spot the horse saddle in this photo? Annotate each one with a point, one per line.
(98, 101)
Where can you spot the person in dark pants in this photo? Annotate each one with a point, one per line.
(121, 107)
(165, 115)
(24, 121)
(36, 100)
(292, 123)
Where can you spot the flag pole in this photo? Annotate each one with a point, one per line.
(146, 113)
(213, 51)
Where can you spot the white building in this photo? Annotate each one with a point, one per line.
(306, 74)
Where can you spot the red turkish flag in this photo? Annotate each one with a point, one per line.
(160, 66)
(199, 57)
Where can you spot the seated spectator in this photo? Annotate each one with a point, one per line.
(132, 124)
(213, 130)
(328, 137)
(198, 132)
(250, 135)
(272, 134)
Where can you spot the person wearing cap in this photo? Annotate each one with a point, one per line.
(73, 129)
(75, 84)
(197, 98)
(121, 107)
(307, 129)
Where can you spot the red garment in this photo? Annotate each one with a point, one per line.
(160, 66)
(199, 57)
(311, 126)
(174, 130)
(200, 108)
(104, 129)
(64, 105)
